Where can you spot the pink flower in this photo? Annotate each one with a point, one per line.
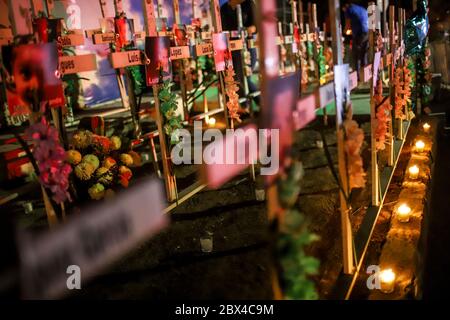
(50, 157)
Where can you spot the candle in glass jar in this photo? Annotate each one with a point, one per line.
(413, 172)
(426, 127)
(403, 213)
(420, 146)
(387, 281)
(211, 122)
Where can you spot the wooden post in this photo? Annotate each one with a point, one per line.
(347, 237)
(269, 68)
(217, 27)
(169, 177)
(392, 49)
(373, 118)
(301, 18)
(400, 63)
(177, 17)
(120, 83)
(129, 93)
(242, 52)
(315, 29)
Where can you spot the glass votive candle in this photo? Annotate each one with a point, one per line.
(420, 146)
(212, 122)
(387, 281)
(413, 172)
(403, 213)
(426, 127)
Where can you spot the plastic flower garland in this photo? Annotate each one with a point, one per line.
(402, 84)
(231, 89)
(382, 116)
(354, 138)
(50, 156)
(304, 63)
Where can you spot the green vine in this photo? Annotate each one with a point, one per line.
(297, 266)
(321, 62)
(169, 106)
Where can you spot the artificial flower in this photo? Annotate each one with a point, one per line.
(109, 163)
(73, 157)
(97, 191)
(50, 157)
(92, 159)
(116, 143)
(84, 171)
(81, 139)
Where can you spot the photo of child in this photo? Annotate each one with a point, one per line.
(157, 50)
(33, 77)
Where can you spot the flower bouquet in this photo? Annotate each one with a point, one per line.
(100, 164)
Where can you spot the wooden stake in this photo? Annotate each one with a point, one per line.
(347, 236)
(169, 177)
(400, 63)
(392, 49)
(373, 118)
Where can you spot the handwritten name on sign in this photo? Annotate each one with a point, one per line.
(305, 112)
(236, 45)
(288, 39)
(126, 59)
(206, 35)
(367, 73)
(308, 37)
(353, 80)
(91, 241)
(72, 40)
(76, 64)
(204, 49)
(139, 36)
(326, 95)
(179, 53)
(104, 38)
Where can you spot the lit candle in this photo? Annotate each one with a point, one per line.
(413, 172)
(420, 145)
(387, 281)
(403, 213)
(211, 122)
(426, 127)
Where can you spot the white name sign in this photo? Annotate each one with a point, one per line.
(76, 64)
(104, 38)
(179, 53)
(236, 45)
(326, 94)
(90, 241)
(204, 49)
(72, 40)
